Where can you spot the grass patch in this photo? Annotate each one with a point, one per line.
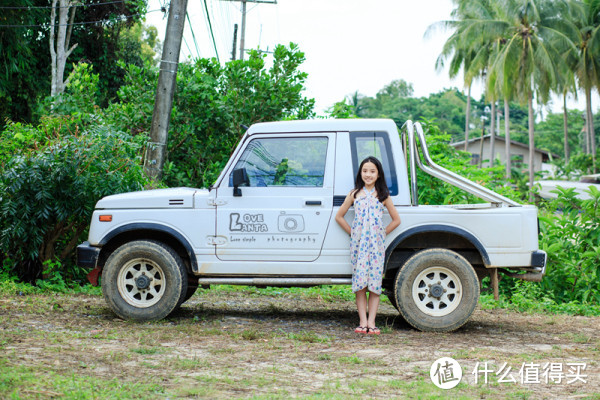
(308, 337)
(353, 359)
(23, 382)
(146, 350)
(544, 305)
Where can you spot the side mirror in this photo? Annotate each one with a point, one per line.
(240, 178)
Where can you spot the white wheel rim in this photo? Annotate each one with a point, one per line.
(141, 282)
(427, 288)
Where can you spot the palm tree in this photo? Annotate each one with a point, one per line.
(460, 59)
(465, 49)
(583, 57)
(526, 64)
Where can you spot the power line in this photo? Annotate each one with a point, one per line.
(121, 18)
(47, 7)
(211, 32)
(187, 15)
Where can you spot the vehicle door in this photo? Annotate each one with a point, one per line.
(282, 211)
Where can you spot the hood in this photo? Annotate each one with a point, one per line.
(158, 198)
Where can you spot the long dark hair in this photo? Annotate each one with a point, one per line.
(382, 190)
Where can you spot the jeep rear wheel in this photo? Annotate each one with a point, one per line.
(436, 290)
(144, 280)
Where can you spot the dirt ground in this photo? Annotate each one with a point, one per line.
(232, 344)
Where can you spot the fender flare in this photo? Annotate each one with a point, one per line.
(148, 226)
(437, 228)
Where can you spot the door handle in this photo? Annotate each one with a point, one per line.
(313, 202)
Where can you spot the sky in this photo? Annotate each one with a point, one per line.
(350, 45)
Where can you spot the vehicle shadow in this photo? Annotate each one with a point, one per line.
(260, 314)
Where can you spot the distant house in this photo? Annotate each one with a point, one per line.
(519, 152)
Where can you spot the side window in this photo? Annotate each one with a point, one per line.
(296, 161)
(376, 144)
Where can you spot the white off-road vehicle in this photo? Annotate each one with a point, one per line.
(269, 220)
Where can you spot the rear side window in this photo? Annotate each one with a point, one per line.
(376, 144)
(298, 161)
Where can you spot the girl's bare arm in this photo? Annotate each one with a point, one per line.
(339, 217)
(393, 213)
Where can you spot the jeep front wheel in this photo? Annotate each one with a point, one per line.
(144, 280)
(436, 290)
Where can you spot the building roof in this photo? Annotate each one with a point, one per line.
(502, 139)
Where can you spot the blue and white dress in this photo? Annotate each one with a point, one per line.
(367, 243)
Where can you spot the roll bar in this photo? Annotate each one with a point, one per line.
(408, 129)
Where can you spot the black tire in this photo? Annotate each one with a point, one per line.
(391, 295)
(191, 288)
(144, 280)
(437, 290)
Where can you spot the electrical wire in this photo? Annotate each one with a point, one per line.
(187, 15)
(79, 23)
(47, 7)
(211, 32)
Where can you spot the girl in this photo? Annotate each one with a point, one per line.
(367, 250)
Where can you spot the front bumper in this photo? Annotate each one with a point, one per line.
(87, 255)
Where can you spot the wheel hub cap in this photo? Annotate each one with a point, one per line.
(436, 291)
(142, 282)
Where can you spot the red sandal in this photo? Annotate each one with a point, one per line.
(361, 329)
(373, 331)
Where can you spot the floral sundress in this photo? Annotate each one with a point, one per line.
(367, 247)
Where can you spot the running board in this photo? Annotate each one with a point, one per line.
(275, 281)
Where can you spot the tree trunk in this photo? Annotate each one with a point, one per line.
(507, 137)
(492, 134)
(467, 115)
(531, 145)
(60, 33)
(589, 117)
(481, 143)
(566, 127)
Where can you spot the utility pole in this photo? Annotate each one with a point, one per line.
(163, 103)
(243, 33)
(235, 28)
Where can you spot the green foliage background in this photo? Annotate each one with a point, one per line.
(58, 157)
(52, 173)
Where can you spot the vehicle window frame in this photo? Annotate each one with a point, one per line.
(327, 144)
(387, 158)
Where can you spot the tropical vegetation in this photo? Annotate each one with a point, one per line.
(60, 154)
(526, 49)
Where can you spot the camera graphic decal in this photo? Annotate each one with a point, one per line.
(290, 223)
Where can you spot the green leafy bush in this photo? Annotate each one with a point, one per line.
(48, 194)
(211, 103)
(570, 234)
(434, 191)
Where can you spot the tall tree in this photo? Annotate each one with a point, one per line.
(473, 46)
(459, 48)
(60, 38)
(527, 63)
(23, 59)
(583, 57)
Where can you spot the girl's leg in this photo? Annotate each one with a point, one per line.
(373, 305)
(361, 305)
